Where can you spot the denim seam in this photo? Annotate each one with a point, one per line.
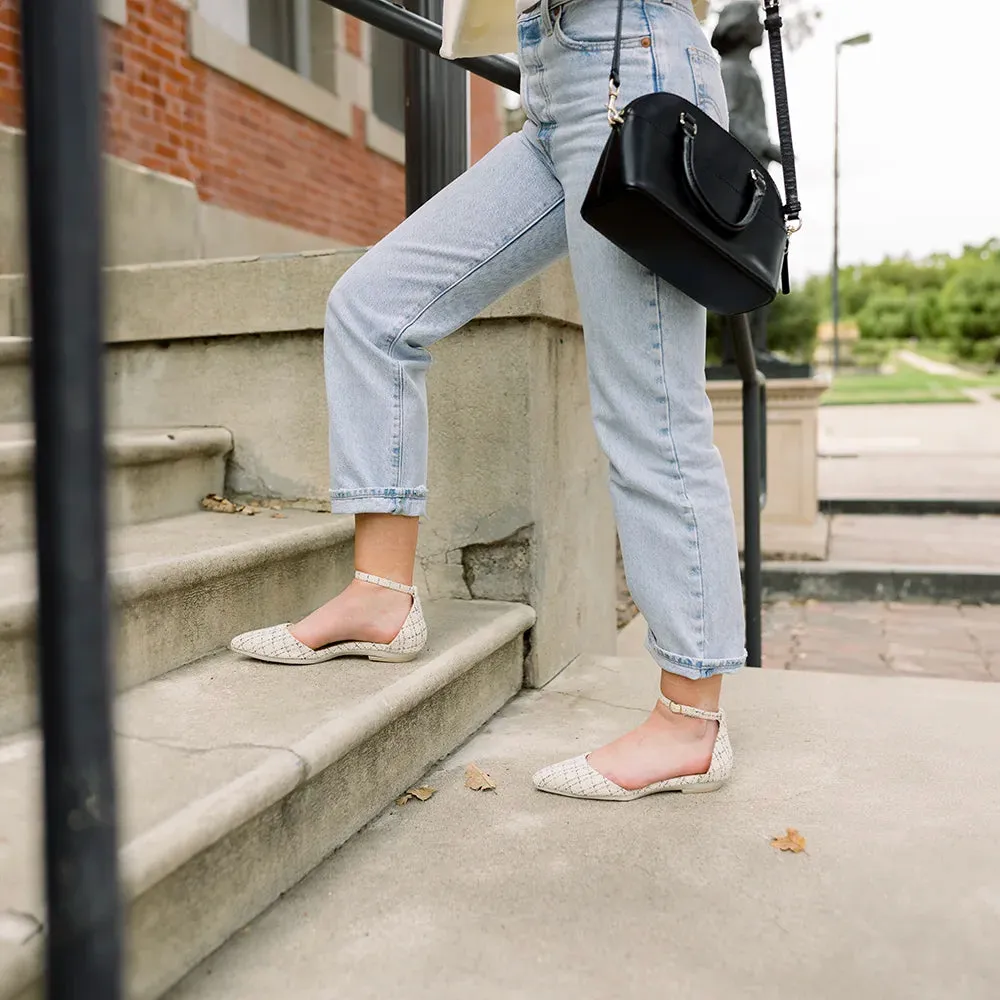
(677, 465)
(546, 159)
(472, 270)
(692, 666)
(400, 398)
(397, 437)
(386, 493)
(657, 87)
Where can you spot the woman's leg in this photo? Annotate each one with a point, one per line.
(495, 226)
(646, 358)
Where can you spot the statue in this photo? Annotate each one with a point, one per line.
(737, 34)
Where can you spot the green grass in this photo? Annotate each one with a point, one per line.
(906, 385)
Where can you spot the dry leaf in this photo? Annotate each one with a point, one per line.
(219, 504)
(421, 794)
(792, 841)
(279, 515)
(250, 510)
(478, 780)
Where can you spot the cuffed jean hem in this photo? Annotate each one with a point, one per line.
(694, 670)
(407, 503)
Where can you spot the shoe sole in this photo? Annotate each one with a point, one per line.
(326, 658)
(641, 793)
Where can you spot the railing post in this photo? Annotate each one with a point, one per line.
(754, 478)
(436, 118)
(62, 113)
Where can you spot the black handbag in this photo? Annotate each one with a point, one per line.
(682, 196)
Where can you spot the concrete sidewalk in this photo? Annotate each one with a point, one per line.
(940, 451)
(514, 894)
(934, 540)
(878, 639)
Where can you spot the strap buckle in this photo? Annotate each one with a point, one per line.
(614, 115)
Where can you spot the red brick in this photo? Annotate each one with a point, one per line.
(170, 113)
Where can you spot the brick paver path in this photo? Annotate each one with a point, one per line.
(928, 640)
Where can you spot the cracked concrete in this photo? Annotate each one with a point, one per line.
(17, 927)
(187, 748)
(501, 570)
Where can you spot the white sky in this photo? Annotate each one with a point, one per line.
(920, 129)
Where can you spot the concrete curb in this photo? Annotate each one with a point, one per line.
(908, 507)
(874, 582)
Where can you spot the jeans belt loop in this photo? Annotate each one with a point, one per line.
(548, 15)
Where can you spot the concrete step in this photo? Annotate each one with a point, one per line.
(861, 581)
(182, 588)
(237, 778)
(898, 557)
(152, 474)
(15, 403)
(517, 894)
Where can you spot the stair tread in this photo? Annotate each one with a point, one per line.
(150, 553)
(190, 771)
(14, 349)
(129, 444)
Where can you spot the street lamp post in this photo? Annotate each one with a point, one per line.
(835, 276)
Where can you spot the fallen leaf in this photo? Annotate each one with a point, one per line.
(478, 780)
(421, 794)
(219, 504)
(279, 515)
(250, 510)
(792, 841)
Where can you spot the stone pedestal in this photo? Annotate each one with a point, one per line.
(792, 527)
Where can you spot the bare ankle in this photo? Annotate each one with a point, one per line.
(703, 693)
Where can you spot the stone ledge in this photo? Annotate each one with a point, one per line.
(115, 11)
(280, 293)
(842, 581)
(219, 51)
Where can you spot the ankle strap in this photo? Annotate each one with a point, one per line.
(381, 581)
(694, 713)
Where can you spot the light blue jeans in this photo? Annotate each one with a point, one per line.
(511, 215)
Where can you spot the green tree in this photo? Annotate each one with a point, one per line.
(887, 315)
(970, 309)
(791, 326)
(793, 323)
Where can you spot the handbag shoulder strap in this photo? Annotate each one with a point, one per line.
(773, 23)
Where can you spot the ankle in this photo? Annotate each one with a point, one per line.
(702, 694)
(372, 594)
(682, 727)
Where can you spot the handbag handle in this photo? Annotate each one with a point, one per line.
(690, 128)
(772, 23)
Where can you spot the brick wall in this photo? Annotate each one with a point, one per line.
(242, 150)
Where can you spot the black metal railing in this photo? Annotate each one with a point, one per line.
(63, 141)
(425, 33)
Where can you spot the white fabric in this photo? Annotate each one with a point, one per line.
(478, 28)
